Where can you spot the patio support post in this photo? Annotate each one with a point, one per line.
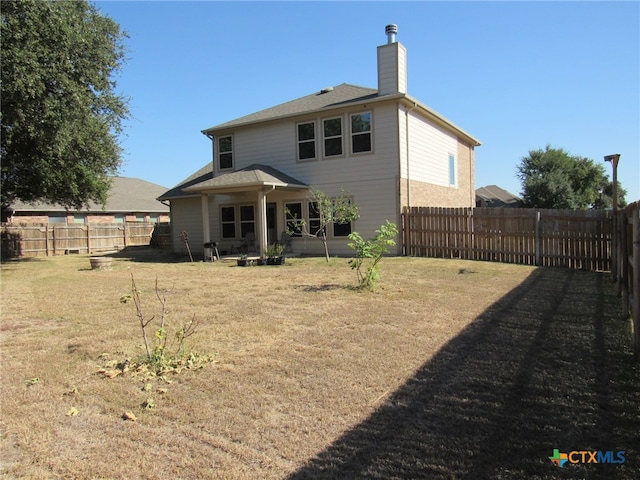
(262, 222)
(206, 233)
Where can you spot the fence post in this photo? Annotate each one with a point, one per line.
(403, 217)
(635, 281)
(614, 247)
(538, 240)
(623, 278)
(88, 238)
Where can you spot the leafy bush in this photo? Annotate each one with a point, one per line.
(370, 252)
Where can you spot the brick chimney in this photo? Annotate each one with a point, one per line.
(392, 64)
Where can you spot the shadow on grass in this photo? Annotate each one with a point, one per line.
(148, 254)
(325, 287)
(548, 366)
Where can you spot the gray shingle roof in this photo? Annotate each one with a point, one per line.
(126, 195)
(338, 96)
(202, 175)
(251, 176)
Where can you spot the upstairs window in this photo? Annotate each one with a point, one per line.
(307, 141)
(361, 132)
(225, 152)
(332, 129)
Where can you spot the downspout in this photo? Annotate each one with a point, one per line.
(406, 133)
(406, 140)
(472, 179)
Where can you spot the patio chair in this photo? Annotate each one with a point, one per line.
(250, 242)
(285, 239)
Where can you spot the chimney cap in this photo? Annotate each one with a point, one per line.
(391, 31)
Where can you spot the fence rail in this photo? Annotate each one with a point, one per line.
(46, 240)
(568, 238)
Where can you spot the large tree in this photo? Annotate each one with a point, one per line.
(552, 178)
(61, 116)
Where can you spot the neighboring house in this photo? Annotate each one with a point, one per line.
(130, 200)
(494, 196)
(384, 147)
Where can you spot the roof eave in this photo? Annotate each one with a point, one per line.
(243, 187)
(437, 117)
(210, 132)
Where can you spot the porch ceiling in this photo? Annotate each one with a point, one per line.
(253, 177)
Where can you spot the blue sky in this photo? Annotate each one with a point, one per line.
(516, 75)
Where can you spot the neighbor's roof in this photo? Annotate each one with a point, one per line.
(126, 195)
(253, 176)
(498, 197)
(326, 99)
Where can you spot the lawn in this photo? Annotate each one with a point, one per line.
(449, 369)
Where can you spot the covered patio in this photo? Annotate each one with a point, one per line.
(256, 180)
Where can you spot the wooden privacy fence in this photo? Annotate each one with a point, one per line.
(52, 239)
(568, 238)
(625, 264)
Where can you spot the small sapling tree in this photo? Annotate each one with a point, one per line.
(325, 211)
(370, 252)
(159, 356)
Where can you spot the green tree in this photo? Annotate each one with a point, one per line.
(61, 116)
(327, 210)
(552, 178)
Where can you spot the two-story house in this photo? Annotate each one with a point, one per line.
(384, 147)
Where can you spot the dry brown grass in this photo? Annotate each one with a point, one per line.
(450, 369)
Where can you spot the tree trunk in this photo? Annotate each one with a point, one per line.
(324, 242)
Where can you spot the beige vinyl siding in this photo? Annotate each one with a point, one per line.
(186, 215)
(377, 201)
(371, 178)
(275, 145)
(392, 69)
(429, 150)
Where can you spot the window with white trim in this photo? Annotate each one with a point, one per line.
(452, 170)
(306, 141)
(361, 132)
(247, 220)
(332, 134)
(293, 217)
(342, 229)
(314, 218)
(225, 152)
(228, 221)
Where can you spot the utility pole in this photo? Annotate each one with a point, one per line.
(614, 159)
